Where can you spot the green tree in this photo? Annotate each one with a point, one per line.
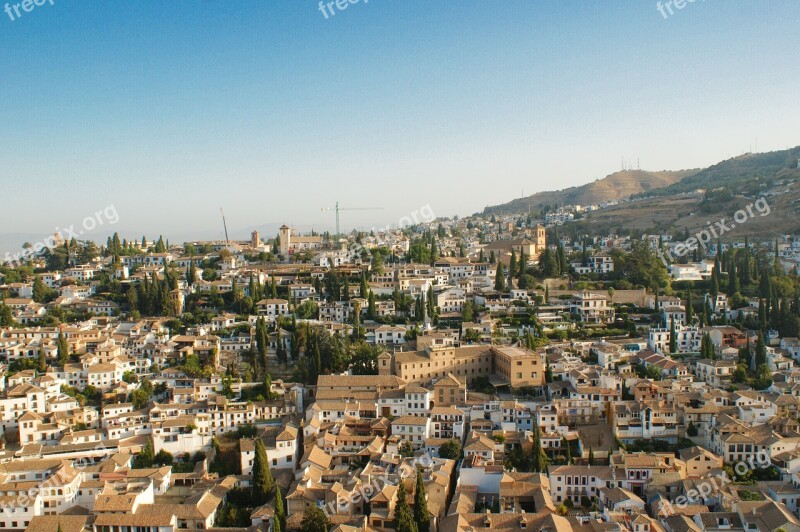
(567, 451)
(139, 398)
(42, 365)
(450, 450)
(499, 278)
(642, 267)
(733, 280)
(263, 483)
(371, 310)
(280, 512)
(761, 352)
(467, 311)
(673, 339)
(191, 275)
(512, 265)
(421, 515)
(262, 342)
(707, 347)
(163, 458)
(145, 457)
(653, 372)
(6, 316)
(591, 456)
(356, 320)
(314, 520)
(539, 456)
(404, 517)
(406, 449)
(689, 309)
(40, 290)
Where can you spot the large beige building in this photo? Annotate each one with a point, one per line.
(532, 246)
(291, 244)
(514, 365)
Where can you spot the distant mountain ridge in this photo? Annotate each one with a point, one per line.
(714, 193)
(617, 186)
(737, 173)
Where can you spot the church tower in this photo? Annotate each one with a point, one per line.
(285, 236)
(540, 238)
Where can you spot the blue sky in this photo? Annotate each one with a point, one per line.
(171, 110)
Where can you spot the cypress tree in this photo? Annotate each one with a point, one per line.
(371, 312)
(280, 512)
(42, 365)
(775, 314)
(430, 301)
(714, 288)
(745, 272)
(280, 352)
(761, 351)
(499, 278)
(689, 310)
(733, 280)
(191, 276)
(673, 339)
(315, 368)
(39, 290)
(356, 320)
(404, 517)
(63, 349)
(512, 265)
(539, 456)
(421, 515)
(263, 483)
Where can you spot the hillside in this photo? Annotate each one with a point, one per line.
(743, 174)
(616, 186)
(693, 211)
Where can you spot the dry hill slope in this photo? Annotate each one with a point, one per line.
(618, 185)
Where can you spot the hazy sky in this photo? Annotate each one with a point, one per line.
(171, 110)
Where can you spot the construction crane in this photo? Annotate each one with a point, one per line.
(225, 225)
(337, 209)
